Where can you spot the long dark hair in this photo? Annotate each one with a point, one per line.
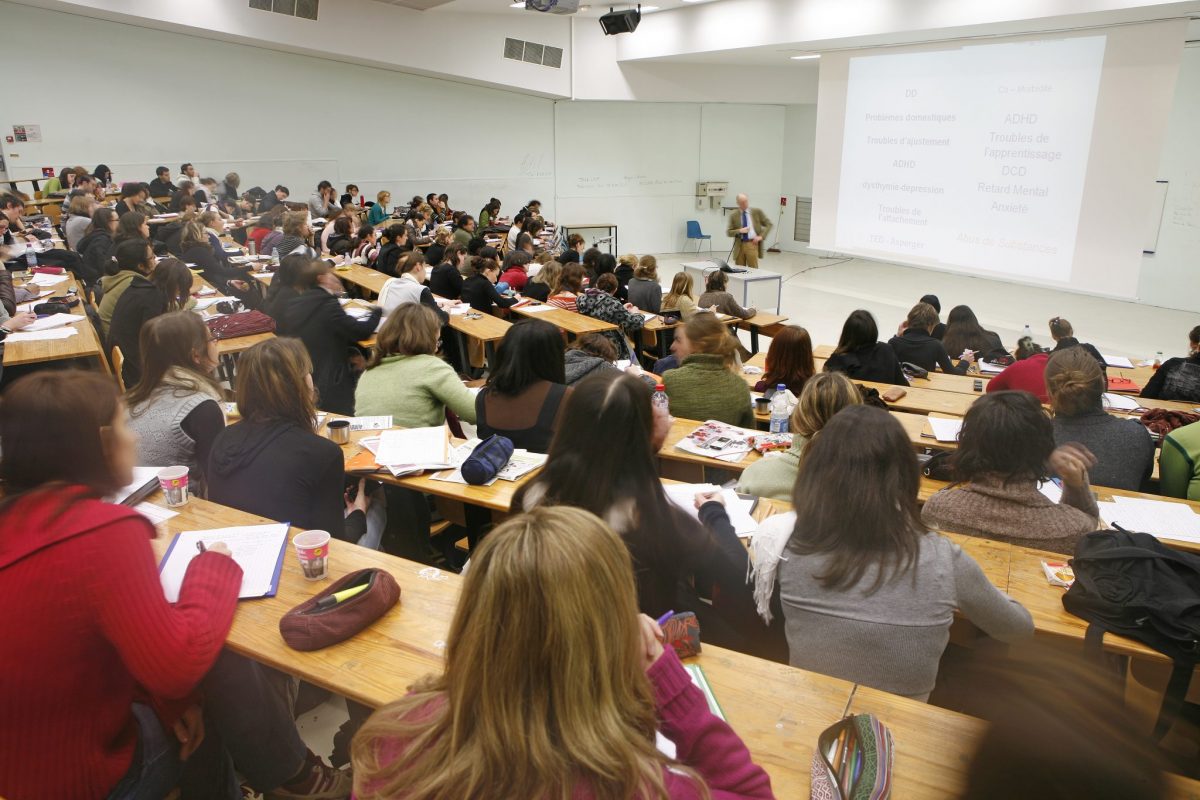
(100, 219)
(531, 351)
(129, 226)
(858, 331)
(174, 280)
(963, 332)
(49, 414)
(865, 448)
(271, 384)
(790, 358)
(1004, 434)
(169, 342)
(582, 459)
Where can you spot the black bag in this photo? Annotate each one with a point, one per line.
(1131, 584)
(911, 370)
(940, 466)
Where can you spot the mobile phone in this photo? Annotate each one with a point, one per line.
(720, 443)
(978, 386)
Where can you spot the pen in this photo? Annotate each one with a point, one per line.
(663, 619)
(200, 546)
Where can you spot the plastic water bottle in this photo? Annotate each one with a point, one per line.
(1158, 359)
(779, 410)
(659, 399)
(30, 255)
(253, 247)
(275, 256)
(1028, 332)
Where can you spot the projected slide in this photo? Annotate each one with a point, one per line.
(973, 157)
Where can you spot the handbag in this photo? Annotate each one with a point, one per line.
(853, 760)
(911, 370)
(486, 460)
(321, 620)
(940, 466)
(244, 323)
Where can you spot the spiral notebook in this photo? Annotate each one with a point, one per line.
(258, 550)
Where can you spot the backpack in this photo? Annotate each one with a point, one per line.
(1131, 584)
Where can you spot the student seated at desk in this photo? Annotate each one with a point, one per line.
(717, 297)
(963, 332)
(297, 236)
(406, 379)
(1178, 378)
(445, 279)
(600, 302)
(175, 407)
(1064, 337)
(323, 202)
(265, 226)
(669, 546)
(132, 225)
(545, 283)
(338, 237)
(377, 213)
(916, 343)
(572, 720)
(442, 237)
(868, 593)
(394, 243)
(861, 355)
(707, 383)
(1179, 463)
(366, 246)
(479, 290)
(1005, 448)
(168, 288)
(134, 729)
(644, 290)
(96, 248)
(410, 287)
(274, 198)
(939, 330)
(625, 269)
(350, 196)
(587, 355)
(774, 476)
(526, 388)
(61, 184)
(134, 259)
(284, 288)
(330, 334)
(514, 269)
(81, 210)
(1123, 448)
(570, 286)
(679, 298)
(272, 462)
(196, 242)
(789, 361)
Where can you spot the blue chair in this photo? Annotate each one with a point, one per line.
(694, 232)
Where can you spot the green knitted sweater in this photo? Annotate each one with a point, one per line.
(774, 476)
(702, 388)
(415, 390)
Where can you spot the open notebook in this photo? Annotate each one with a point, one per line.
(258, 550)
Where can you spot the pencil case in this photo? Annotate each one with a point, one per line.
(682, 631)
(309, 626)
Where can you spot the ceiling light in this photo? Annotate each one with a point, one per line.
(805, 58)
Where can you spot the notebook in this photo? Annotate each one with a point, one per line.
(258, 550)
(145, 481)
(945, 430)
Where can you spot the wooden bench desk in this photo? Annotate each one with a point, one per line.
(84, 344)
(762, 322)
(573, 323)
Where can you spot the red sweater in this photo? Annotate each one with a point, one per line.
(703, 741)
(1026, 376)
(86, 630)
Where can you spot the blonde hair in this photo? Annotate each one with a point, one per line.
(81, 205)
(1074, 382)
(209, 217)
(443, 236)
(647, 268)
(383, 197)
(411, 330)
(193, 233)
(708, 335)
(681, 286)
(564, 701)
(294, 222)
(823, 395)
(628, 260)
(550, 274)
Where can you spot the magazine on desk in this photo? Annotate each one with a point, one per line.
(718, 440)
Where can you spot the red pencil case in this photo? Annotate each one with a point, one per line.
(48, 270)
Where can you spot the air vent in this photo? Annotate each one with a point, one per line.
(533, 53)
(803, 219)
(304, 9)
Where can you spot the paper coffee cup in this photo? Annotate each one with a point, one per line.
(312, 548)
(174, 483)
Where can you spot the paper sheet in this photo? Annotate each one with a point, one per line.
(1120, 402)
(35, 336)
(684, 496)
(370, 423)
(1117, 361)
(1051, 490)
(535, 308)
(424, 447)
(358, 312)
(989, 368)
(53, 321)
(155, 513)
(256, 549)
(207, 302)
(945, 430)
(1158, 517)
(42, 279)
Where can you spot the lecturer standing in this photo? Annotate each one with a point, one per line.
(749, 228)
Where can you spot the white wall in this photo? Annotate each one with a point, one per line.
(1171, 277)
(599, 76)
(636, 165)
(466, 47)
(799, 149)
(273, 117)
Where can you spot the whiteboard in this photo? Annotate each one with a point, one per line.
(626, 149)
(1154, 216)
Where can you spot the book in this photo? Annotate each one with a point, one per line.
(145, 481)
(718, 440)
(258, 550)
